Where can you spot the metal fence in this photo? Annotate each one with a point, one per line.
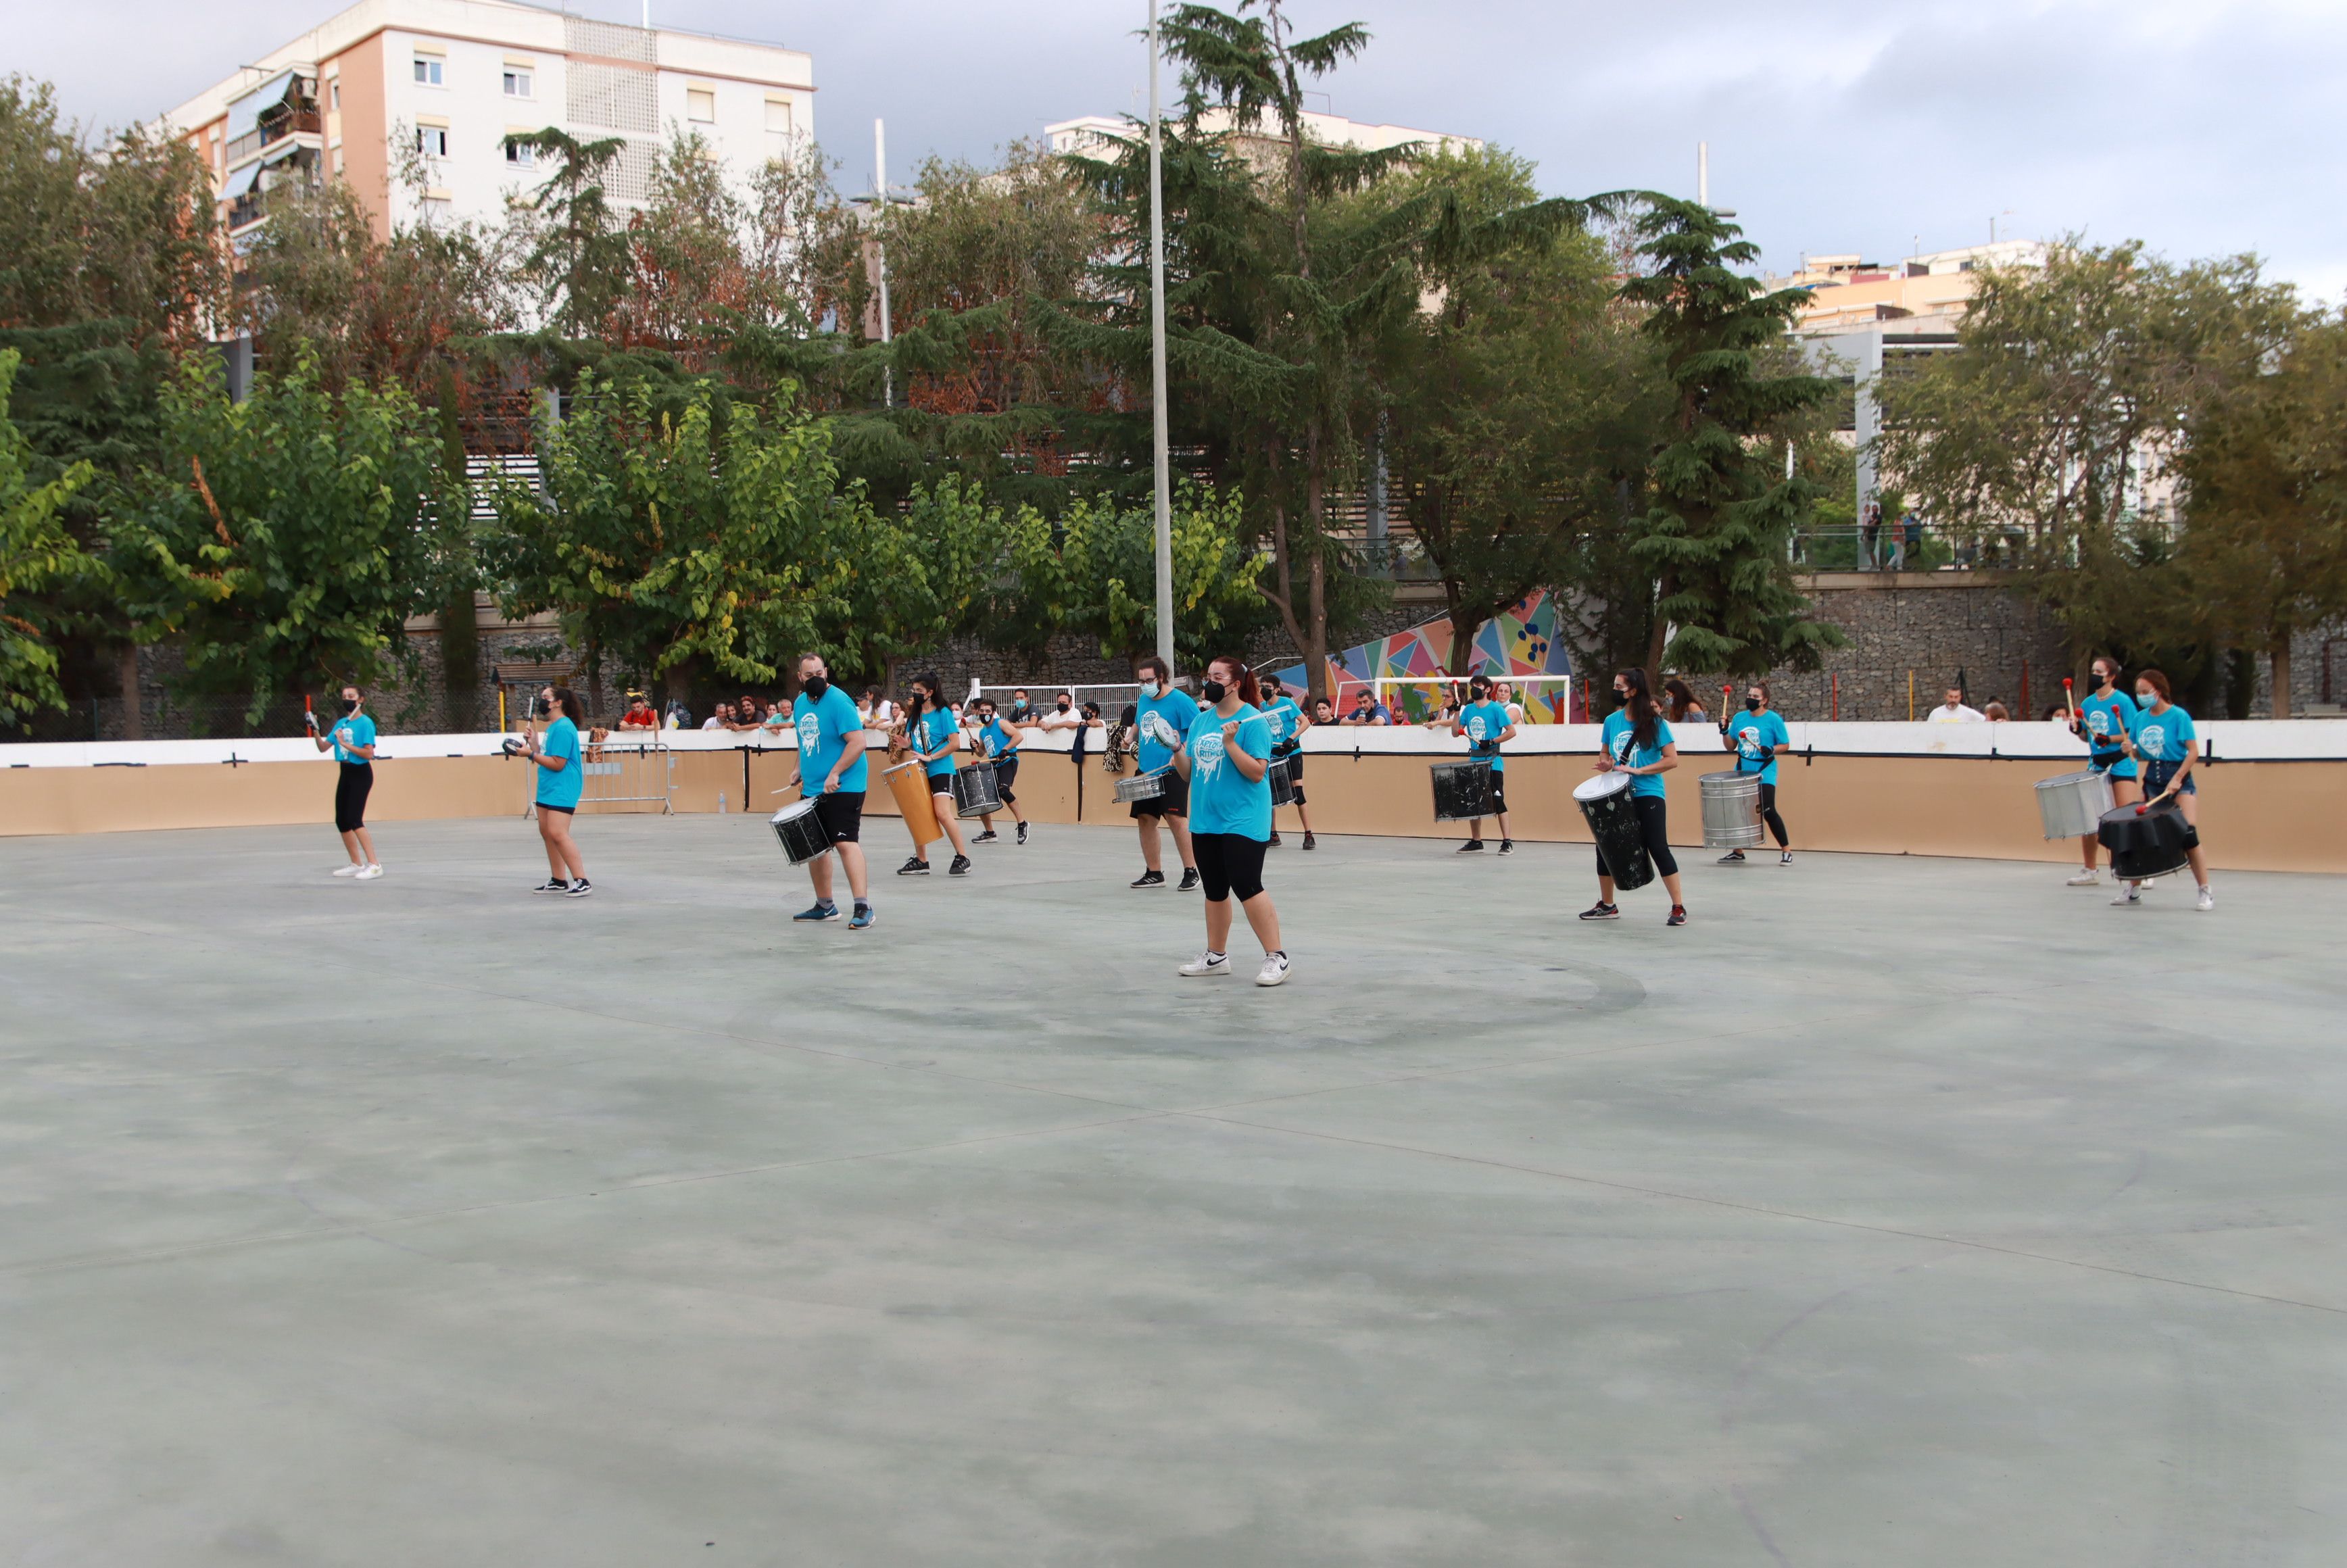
(622, 776)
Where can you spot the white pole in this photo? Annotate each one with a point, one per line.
(880, 185)
(1703, 173)
(1157, 357)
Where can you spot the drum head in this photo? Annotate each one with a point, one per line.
(1597, 787)
(792, 812)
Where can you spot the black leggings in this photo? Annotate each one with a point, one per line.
(1228, 863)
(1768, 814)
(351, 797)
(1654, 827)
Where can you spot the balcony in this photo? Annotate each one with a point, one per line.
(305, 119)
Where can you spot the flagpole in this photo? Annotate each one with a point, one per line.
(1157, 356)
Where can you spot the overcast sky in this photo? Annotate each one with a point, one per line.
(2203, 127)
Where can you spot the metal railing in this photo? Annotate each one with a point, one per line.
(624, 773)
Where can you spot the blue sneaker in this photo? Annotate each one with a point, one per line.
(862, 920)
(825, 911)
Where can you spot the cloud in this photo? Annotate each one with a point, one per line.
(2200, 128)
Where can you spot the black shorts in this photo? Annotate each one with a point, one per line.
(1228, 863)
(1295, 769)
(840, 815)
(564, 810)
(1654, 827)
(1499, 794)
(1173, 801)
(1006, 774)
(351, 797)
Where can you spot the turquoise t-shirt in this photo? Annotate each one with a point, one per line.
(2108, 717)
(824, 728)
(1001, 739)
(1285, 719)
(1485, 723)
(1750, 732)
(1162, 721)
(561, 786)
(938, 728)
(1619, 736)
(1222, 798)
(2163, 737)
(361, 730)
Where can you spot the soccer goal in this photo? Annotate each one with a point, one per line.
(1044, 695)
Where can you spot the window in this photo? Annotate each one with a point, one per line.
(427, 71)
(516, 83)
(778, 117)
(701, 104)
(335, 94)
(521, 154)
(432, 140)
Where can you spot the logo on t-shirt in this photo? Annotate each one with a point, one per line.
(1206, 756)
(1622, 745)
(810, 731)
(1747, 742)
(1476, 728)
(2153, 739)
(2099, 721)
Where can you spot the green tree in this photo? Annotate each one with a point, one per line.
(285, 541)
(34, 553)
(710, 540)
(925, 574)
(1093, 573)
(579, 256)
(1717, 534)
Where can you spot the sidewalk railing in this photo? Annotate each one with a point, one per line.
(629, 773)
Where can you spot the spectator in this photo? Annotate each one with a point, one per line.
(640, 714)
(1020, 714)
(1064, 714)
(1996, 713)
(678, 717)
(1681, 704)
(877, 712)
(721, 718)
(1914, 543)
(1444, 717)
(745, 715)
(777, 721)
(2057, 714)
(1955, 712)
(1870, 532)
(1324, 711)
(1366, 710)
(1503, 692)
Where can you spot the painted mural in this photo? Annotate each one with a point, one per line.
(1519, 641)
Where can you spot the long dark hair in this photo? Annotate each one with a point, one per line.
(1250, 691)
(567, 701)
(1642, 708)
(1682, 699)
(918, 703)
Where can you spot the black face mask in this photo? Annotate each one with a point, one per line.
(1063, 707)
(1751, 704)
(349, 707)
(816, 686)
(1215, 691)
(539, 708)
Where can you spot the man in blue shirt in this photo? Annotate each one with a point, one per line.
(1162, 716)
(2106, 717)
(1485, 725)
(353, 743)
(1000, 744)
(1288, 723)
(1756, 735)
(833, 773)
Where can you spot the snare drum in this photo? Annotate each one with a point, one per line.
(975, 792)
(909, 786)
(2072, 804)
(1462, 791)
(1731, 810)
(1279, 773)
(2145, 844)
(800, 834)
(1605, 802)
(1142, 787)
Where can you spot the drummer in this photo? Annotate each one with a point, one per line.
(1637, 740)
(1287, 724)
(2163, 741)
(1225, 757)
(1758, 734)
(2106, 717)
(832, 773)
(999, 743)
(931, 730)
(1485, 723)
(1161, 719)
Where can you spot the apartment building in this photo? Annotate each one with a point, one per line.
(438, 87)
(1091, 134)
(1931, 291)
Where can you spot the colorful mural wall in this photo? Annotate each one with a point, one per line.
(1519, 641)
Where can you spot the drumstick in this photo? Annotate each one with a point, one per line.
(2068, 706)
(309, 714)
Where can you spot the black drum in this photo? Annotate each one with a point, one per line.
(975, 793)
(1280, 773)
(2145, 844)
(1605, 802)
(1462, 791)
(798, 831)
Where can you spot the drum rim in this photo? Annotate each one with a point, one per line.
(796, 809)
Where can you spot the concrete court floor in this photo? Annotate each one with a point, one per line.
(1895, 1212)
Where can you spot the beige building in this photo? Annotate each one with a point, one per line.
(1931, 291)
(441, 85)
(1093, 135)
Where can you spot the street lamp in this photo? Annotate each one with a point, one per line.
(1157, 357)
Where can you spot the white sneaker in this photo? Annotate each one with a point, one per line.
(1273, 970)
(2207, 900)
(348, 870)
(369, 875)
(2129, 899)
(2084, 879)
(1206, 964)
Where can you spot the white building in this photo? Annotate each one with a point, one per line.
(1091, 134)
(452, 81)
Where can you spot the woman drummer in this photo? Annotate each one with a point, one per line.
(931, 730)
(1756, 735)
(1225, 760)
(2105, 716)
(1637, 741)
(2163, 741)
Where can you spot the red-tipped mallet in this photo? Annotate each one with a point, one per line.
(309, 714)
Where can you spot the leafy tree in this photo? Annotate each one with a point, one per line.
(35, 552)
(1718, 531)
(1094, 573)
(579, 256)
(707, 539)
(925, 574)
(286, 539)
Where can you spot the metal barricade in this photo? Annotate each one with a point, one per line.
(623, 774)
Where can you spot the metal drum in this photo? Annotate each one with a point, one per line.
(1279, 773)
(908, 785)
(2147, 842)
(975, 792)
(800, 834)
(1605, 802)
(1731, 810)
(2073, 804)
(1142, 787)
(1462, 791)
